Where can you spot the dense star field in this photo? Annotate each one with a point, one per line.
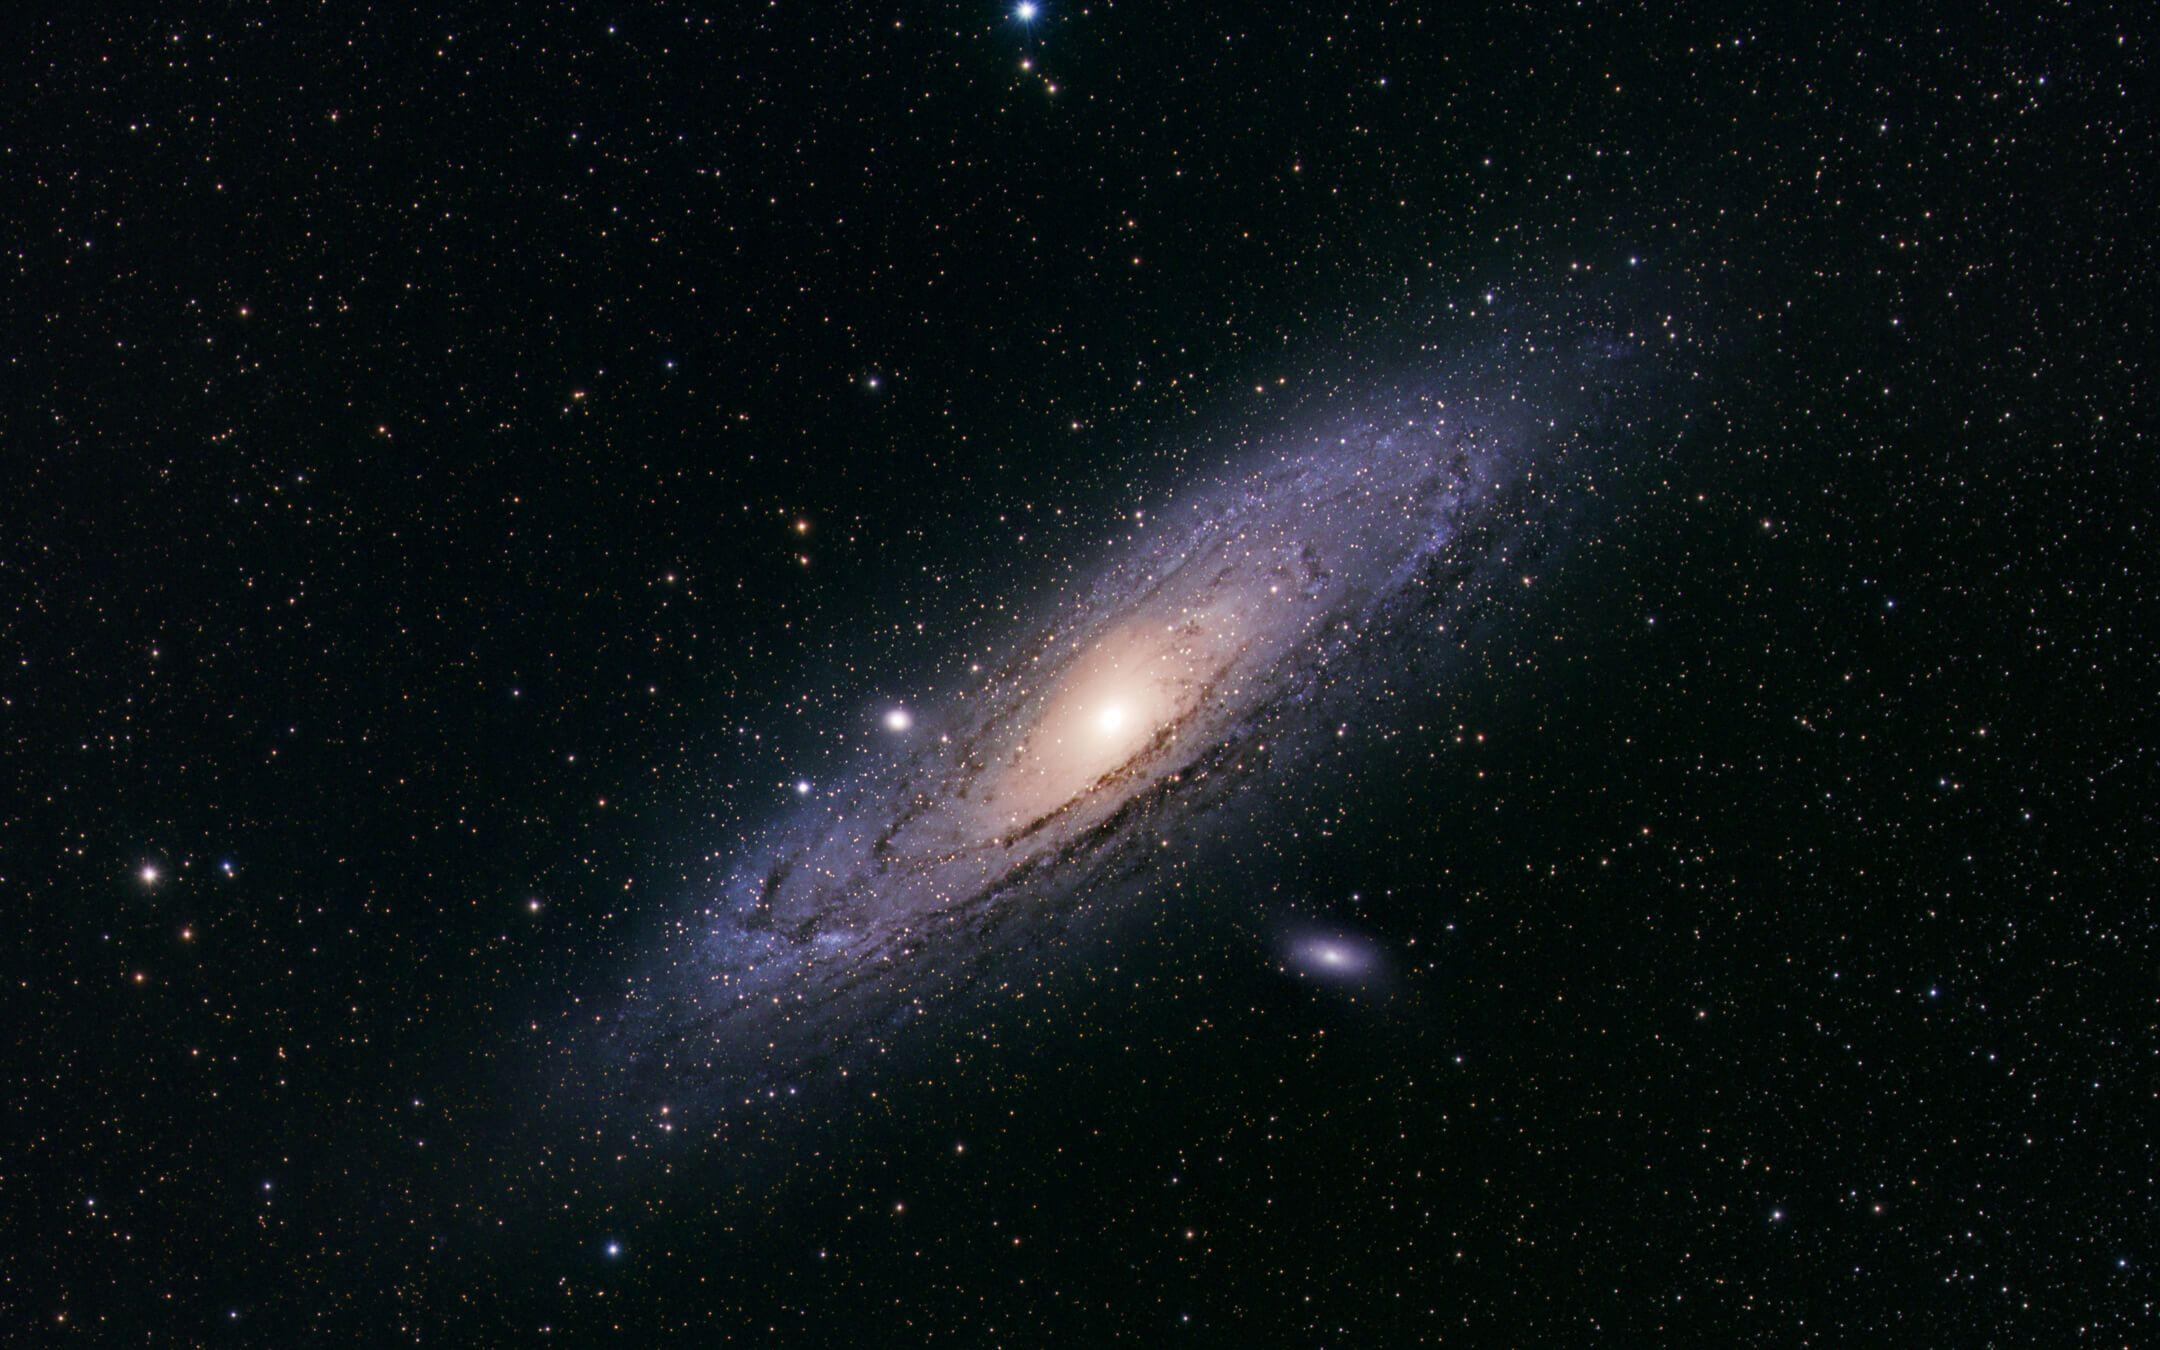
(1080, 674)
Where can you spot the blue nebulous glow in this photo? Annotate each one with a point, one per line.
(1334, 957)
(1169, 700)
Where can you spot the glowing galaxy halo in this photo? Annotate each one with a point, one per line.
(1200, 666)
(1333, 956)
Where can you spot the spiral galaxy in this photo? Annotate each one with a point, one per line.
(1200, 667)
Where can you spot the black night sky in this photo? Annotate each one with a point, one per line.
(1082, 674)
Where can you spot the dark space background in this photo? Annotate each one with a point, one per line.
(408, 422)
